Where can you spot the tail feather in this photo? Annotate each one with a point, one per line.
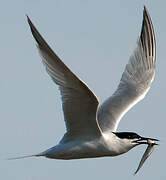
(27, 156)
(21, 157)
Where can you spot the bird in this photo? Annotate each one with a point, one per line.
(91, 129)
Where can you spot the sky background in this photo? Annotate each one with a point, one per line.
(95, 40)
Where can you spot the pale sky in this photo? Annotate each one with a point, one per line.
(95, 40)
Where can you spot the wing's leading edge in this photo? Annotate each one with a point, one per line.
(136, 79)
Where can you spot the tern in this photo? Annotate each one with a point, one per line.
(90, 128)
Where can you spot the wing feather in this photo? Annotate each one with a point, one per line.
(79, 103)
(136, 79)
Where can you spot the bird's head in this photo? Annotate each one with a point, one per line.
(132, 139)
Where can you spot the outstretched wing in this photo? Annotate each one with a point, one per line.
(136, 79)
(79, 103)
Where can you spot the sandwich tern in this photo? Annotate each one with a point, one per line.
(91, 129)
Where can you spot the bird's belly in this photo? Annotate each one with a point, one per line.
(74, 150)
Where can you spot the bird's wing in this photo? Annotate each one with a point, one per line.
(136, 79)
(79, 103)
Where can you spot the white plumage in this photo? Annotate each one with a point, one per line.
(90, 130)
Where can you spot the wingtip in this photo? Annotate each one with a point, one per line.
(145, 9)
(29, 21)
(146, 15)
(33, 29)
(145, 12)
(147, 35)
(27, 16)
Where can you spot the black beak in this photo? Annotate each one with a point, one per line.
(144, 140)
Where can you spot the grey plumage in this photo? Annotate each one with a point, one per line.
(135, 81)
(90, 132)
